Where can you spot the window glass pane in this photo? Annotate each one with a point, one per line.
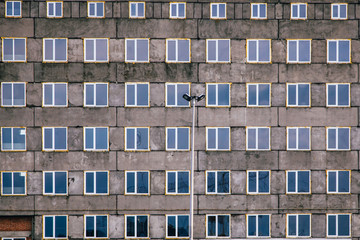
(92, 9)
(343, 95)
(19, 135)
(332, 51)
(223, 226)
(344, 51)
(222, 10)
(251, 138)
(101, 49)
(130, 182)
(49, 49)
(49, 182)
(130, 48)
(60, 182)
(252, 51)
(264, 137)
(211, 94)
(292, 225)
(223, 138)
(183, 51)
(60, 49)
(252, 94)
(291, 94)
(292, 138)
(101, 138)
(263, 225)
(90, 182)
(304, 225)
(90, 226)
(211, 138)
(89, 138)
(183, 182)
(211, 225)
(171, 135)
(344, 181)
(295, 11)
(343, 141)
(142, 50)
(251, 225)
(130, 138)
(48, 136)
(170, 94)
(89, 94)
(302, 10)
(304, 50)
(58, 9)
(343, 11)
(292, 48)
(142, 94)
(304, 138)
(263, 181)
(211, 49)
(19, 183)
(60, 226)
(304, 93)
(60, 94)
(9, 7)
(142, 182)
(181, 7)
(101, 94)
(264, 94)
(214, 8)
(90, 49)
(6, 139)
(223, 182)
(19, 49)
(8, 48)
(173, 11)
(335, 11)
(49, 223)
(181, 90)
(224, 94)
(133, 9)
(255, 10)
(343, 225)
(142, 138)
(142, 226)
(252, 181)
(130, 94)
(332, 181)
(19, 93)
(171, 182)
(291, 182)
(331, 94)
(6, 183)
(171, 54)
(223, 48)
(60, 138)
(183, 138)
(141, 9)
(211, 182)
(262, 10)
(101, 182)
(264, 50)
(183, 226)
(99, 9)
(130, 226)
(303, 181)
(331, 225)
(171, 226)
(7, 94)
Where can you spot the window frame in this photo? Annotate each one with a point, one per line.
(12, 140)
(54, 217)
(54, 50)
(135, 228)
(257, 225)
(13, 16)
(257, 61)
(137, 9)
(257, 139)
(297, 225)
(297, 181)
(257, 94)
(135, 182)
(288, 61)
(88, 9)
(135, 49)
(216, 182)
(136, 150)
(107, 224)
(258, 11)
(298, 4)
(217, 140)
(94, 149)
(257, 182)
(337, 225)
(216, 40)
(12, 183)
(177, 10)
(13, 50)
(177, 226)
(176, 40)
(337, 182)
(54, 15)
(53, 84)
(176, 84)
(297, 95)
(337, 139)
(337, 51)
(217, 95)
(337, 94)
(54, 183)
(216, 225)
(95, 41)
(339, 17)
(176, 182)
(12, 88)
(218, 4)
(136, 92)
(53, 140)
(94, 186)
(176, 139)
(95, 86)
(297, 139)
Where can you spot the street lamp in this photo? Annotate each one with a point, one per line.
(194, 99)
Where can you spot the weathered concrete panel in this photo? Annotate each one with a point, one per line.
(116, 226)
(16, 72)
(9, 117)
(76, 183)
(296, 203)
(18, 161)
(24, 27)
(17, 205)
(34, 183)
(158, 226)
(76, 226)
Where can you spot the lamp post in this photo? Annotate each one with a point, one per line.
(192, 99)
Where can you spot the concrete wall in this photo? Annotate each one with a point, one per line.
(198, 27)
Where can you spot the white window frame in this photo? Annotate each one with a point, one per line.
(258, 11)
(176, 225)
(297, 225)
(217, 95)
(297, 51)
(297, 94)
(257, 139)
(257, 94)
(257, 182)
(216, 182)
(217, 50)
(176, 139)
(217, 140)
(135, 138)
(94, 149)
(53, 216)
(177, 10)
(176, 97)
(257, 225)
(53, 140)
(337, 50)
(298, 11)
(176, 182)
(95, 190)
(257, 50)
(137, 9)
(136, 91)
(95, 87)
(339, 17)
(12, 140)
(13, 14)
(12, 183)
(135, 49)
(54, 6)
(53, 94)
(135, 182)
(135, 229)
(337, 224)
(12, 90)
(337, 181)
(100, 215)
(337, 139)
(54, 50)
(297, 139)
(13, 50)
(337, 94)
(176, 40)
(54, 184)
(296, 181)
(96, 60)
(216, 225)
(217, 6)
(95, 7)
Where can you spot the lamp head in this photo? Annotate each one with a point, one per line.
(187, 97)
(201, 97)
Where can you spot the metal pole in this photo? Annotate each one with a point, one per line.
(192, 173)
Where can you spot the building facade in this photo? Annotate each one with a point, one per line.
(95, 135)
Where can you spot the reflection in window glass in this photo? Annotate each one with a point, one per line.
(54, 139)
(218, 182)
(258, 182)
(338, 95)
(338, 138)
(55, 50)
(299, 51)
(13, 139)
(96, 182)
(137, 138)
(298, 182)
(218, 138)
(258, 138)
(96, 50)
(177, 182)
(218, 50)
(137, 182)
(338, 181)
(54, 94)
(96, 139)
(13, 183)
(55, 226)
(258, 51)
(178, 50)
(218, 94)
(14, 50)
(96, 226)
(136, 226)
(258, 225)
(55, 183)
(298, 225)
(137, 50)
(174, 94)
(137, 94)
(258, 95)
(178, 138)
(96, 95)
(177, 226)
(218, 225)
(298, 94)
(338, 225)
(298, 138)
(338, 51)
